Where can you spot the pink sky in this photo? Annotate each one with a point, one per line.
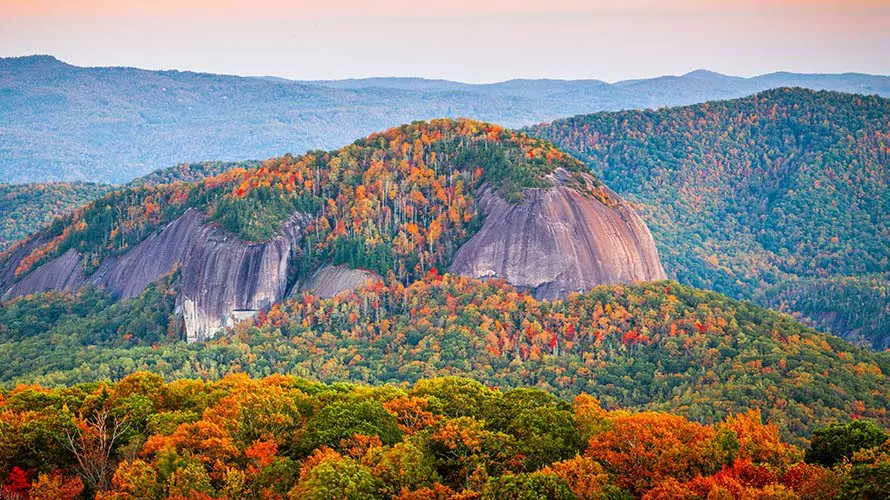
(480, 40)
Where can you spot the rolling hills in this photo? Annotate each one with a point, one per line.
(366, 264)
(781, 198)
(111, 125)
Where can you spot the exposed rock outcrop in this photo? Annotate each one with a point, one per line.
(65, 272)
(225, 280)
(128, 275)
(18, 252)
(331, 280)
(555, 241)
(558, 240)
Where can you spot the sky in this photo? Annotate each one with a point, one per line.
(464, 40)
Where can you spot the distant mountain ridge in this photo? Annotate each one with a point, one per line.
(63, 122)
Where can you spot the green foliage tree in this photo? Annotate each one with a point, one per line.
(343, 419)
(840, 441)
(341, 479)
(527, 486)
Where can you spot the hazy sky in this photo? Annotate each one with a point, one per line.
(467, 40)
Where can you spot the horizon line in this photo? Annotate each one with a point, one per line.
(446, 80)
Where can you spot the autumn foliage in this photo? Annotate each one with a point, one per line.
(450, 438)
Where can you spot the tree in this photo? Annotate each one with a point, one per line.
(838, 441)
(92, 445)
(524, 486)
(133, 480)
(643, 449)
(585, 476)
(869, 475)
(342, 479)
(342, 419)
(56, 487)
(403, 467)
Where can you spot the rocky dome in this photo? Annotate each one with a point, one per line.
(559, 240)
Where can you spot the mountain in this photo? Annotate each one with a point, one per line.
(781, 198)
(434, 249)
(26, 208)
(473, 197)
(363, 264)
(111, 125)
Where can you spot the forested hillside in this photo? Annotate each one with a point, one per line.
(68, 123)
(401, 200)
(781, 197)
(286, 437)
(678, 392)
(27, 208)
(660, 346)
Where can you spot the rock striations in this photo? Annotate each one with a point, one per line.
(557, 241)
(223, 280)
(65, 272)
(331, 280)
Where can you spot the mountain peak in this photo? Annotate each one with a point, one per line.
(705, 74)
(31, 61)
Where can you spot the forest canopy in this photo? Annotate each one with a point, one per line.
(781, 197)
(448, 438)
(656, 346)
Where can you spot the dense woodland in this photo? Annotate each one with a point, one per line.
(788, 189)
(25, 208)
(659, 346)
(442, 438)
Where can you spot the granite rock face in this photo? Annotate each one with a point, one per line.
(65, 272)
(223, 280)
(328, 281)
(127, 276)
(558, 240)
(16, 254)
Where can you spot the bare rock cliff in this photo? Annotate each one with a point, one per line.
(127, 276)
(225, 280)
(16, 254)
(331, 280)
(65, 272)
(558, 240)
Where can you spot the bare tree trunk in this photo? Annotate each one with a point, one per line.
(93, 444)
